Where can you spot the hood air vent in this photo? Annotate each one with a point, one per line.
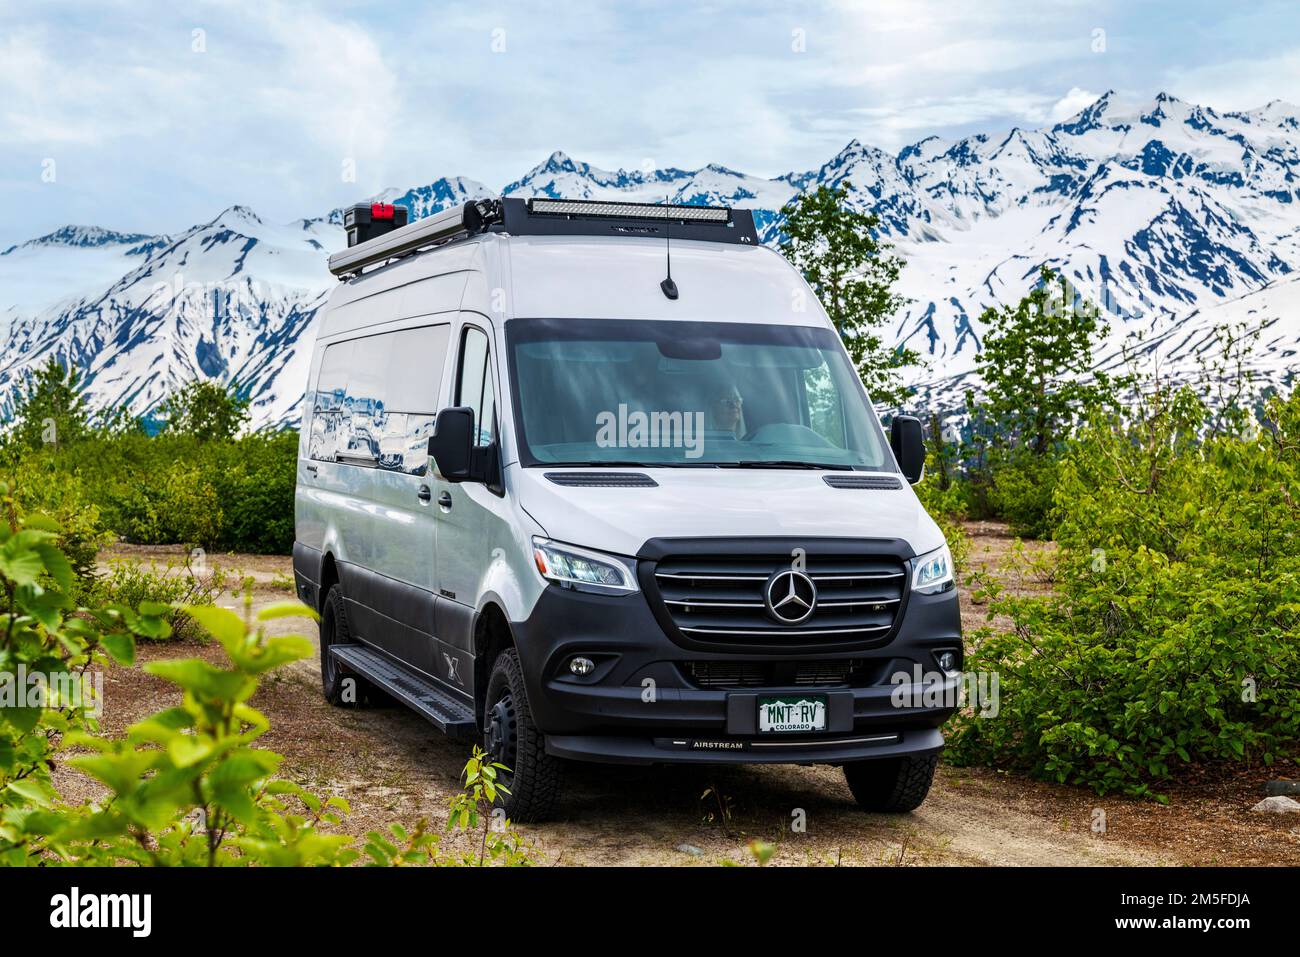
(601, 479)
(862, 481)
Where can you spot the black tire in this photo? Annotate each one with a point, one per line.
(891, 785)
(334, 679)
(511, 738)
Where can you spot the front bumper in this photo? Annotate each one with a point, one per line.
(641, 703)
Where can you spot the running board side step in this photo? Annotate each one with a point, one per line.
(453, 718)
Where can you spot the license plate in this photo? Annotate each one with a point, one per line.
(792, 713)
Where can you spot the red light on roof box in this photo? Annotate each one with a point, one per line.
(381, 211)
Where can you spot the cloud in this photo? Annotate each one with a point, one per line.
(333, 84)
(287, 90)
(1239, 84)
(1073, 102)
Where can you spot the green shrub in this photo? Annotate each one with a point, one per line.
(66, 500)
(943, 492)
(1022, 489)
(226, 494)
(204, 410)
(1172, 636)
(255, 483)
(189, 507)
(132, 584)
(187, 785)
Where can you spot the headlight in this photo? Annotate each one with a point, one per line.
(932, 572)
(585, 570)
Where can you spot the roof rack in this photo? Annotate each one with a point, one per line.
(466, 219)
(550, 217)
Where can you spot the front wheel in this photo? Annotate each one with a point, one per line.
(891, 785)
(511, 738)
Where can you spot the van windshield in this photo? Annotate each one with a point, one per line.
(682, 394)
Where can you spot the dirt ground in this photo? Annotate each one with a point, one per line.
(392, 766)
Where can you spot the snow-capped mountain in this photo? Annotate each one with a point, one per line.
(1173, 217)
(230, 299)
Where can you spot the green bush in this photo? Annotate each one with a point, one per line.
(1173, 635)
(947, 508)
(133, 584)
(223, 494)
(82, 532)
(255, 483)
(204, 410)
(187, 785)
(188, 506)
(943, 492)
(1021, 490)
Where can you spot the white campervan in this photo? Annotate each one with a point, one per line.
(598, 482)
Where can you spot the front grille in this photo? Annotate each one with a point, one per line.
(720, 599)
(771, 674)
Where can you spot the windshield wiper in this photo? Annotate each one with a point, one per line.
(782, 464)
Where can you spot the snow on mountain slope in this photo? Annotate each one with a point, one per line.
(562, 177)
(230, 299)
(1152, 211)
(63, 264)
(1170, 215)
(1267, 321)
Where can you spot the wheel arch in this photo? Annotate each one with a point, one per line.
(492, 635)
(329, 576)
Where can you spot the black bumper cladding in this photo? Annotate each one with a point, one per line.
(661, 694)
(834, 750)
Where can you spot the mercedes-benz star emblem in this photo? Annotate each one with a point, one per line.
(791, 596)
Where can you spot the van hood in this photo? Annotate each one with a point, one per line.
(706, 503)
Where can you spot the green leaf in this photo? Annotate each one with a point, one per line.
(203, 680)
(21, 720)
(36, 791)
(287, 609)
(187, 750)
(120, 647)
(22, 566)
(221, 623)
(56, 564)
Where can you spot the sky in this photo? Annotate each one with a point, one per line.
(152, 116)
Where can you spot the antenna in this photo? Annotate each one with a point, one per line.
(668, 286)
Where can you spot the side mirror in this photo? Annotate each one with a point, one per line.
(450, 443)
(908, 443)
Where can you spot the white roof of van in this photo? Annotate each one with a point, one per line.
(617, 278)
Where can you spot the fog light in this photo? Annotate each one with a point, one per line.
(581, 666)
(948, 661)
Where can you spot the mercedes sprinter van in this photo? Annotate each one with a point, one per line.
(598, 482)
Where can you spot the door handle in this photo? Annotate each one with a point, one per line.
(444, 500)
(310, 468)
(424, 494)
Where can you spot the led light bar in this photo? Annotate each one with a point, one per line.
(544, 217)
(606, 210)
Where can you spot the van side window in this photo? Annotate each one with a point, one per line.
(376, 398)
(474, 385)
